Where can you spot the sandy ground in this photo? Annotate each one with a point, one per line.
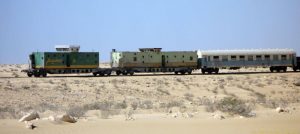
(160, 103)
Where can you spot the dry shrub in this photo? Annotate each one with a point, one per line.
(188, 96)
(163, 91)
(230, 105)
(233, 106)
(146, 104)
(77, 111)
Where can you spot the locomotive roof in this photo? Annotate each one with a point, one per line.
(246, 52)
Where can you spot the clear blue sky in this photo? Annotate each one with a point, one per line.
(96, 25)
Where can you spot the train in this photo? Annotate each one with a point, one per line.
(68, 60)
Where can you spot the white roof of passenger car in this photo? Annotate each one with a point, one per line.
(245, 52)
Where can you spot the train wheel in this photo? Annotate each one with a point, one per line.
(189, 72)
(118, 72)
(95, 74)
(124, 73)
(272, 70)
(294, 69)
(131, 73)
(108, 74)
(209, 72)
(101, 74)
(29, 74)
(182, 72)
(176, 72)
(44, 74)
(203, 71)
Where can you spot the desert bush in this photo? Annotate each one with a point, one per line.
(173, 103)
(9, 113)
(77, 111)
(233, 106)
(146, 104)
(188, 96)
(274, 103)
(163, 91)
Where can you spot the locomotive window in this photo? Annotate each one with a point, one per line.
(242, 57)
(134, 59)
(275, 57)
(182, 56)
(191, 58)
(143, 56)
(267, 57)
(174, 56)
(216, 58)
(208, 58)
(233, 57)
(283, 57)
(143, 62)
(95, 55)
(134, 53)
(250, 58)
(224, 58)
(258, 57)
(87, 55)
(151, 56)
(42, 58)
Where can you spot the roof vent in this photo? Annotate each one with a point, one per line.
(67, 48)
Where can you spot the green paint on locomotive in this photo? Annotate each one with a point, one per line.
(64, 60)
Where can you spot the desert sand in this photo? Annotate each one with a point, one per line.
(234, 101)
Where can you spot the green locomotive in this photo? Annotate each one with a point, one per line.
(66, 60)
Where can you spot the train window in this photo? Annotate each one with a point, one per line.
(258, 57)
(42, 58)
(167, 56)
(275, 57)
(143, 56)
(151, 56)
(183, 61)
(134, 53)
(233, 57)
(216, 58)
(134, 59)
(250, 57)
(95, 55)
(87, 55)
(182, 56)
(283, 57)
(63, 55)
(267, 57)
(174, 56)
(143, 62)
(225, 58)
(191, 58)
(242, 57)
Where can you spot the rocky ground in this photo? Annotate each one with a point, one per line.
(254, 99)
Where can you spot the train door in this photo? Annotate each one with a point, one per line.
(163, 61)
